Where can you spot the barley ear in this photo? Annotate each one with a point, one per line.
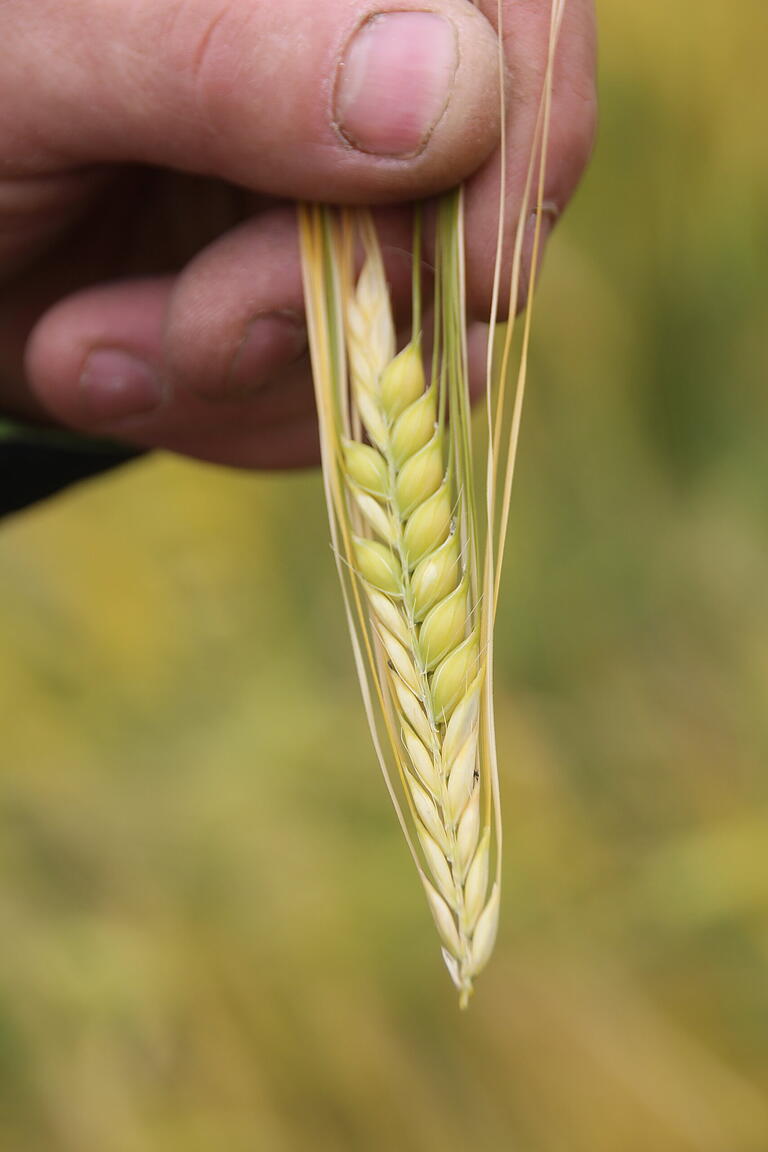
(418, 531)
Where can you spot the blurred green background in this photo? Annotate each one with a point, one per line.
(211, 936)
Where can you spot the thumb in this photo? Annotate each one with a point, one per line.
(320, 99)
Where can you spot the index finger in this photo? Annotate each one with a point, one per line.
(525, 37)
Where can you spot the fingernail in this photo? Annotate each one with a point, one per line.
(115, 384)
(394, 82)
(548, 217)
(271, 342)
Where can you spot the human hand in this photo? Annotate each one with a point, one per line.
(151, 285)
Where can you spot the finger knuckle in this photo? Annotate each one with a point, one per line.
(200, 43)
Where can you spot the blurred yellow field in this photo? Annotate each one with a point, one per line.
(212, 937)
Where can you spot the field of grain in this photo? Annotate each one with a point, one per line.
(211, 934)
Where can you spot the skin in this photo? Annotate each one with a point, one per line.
(149, 152)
